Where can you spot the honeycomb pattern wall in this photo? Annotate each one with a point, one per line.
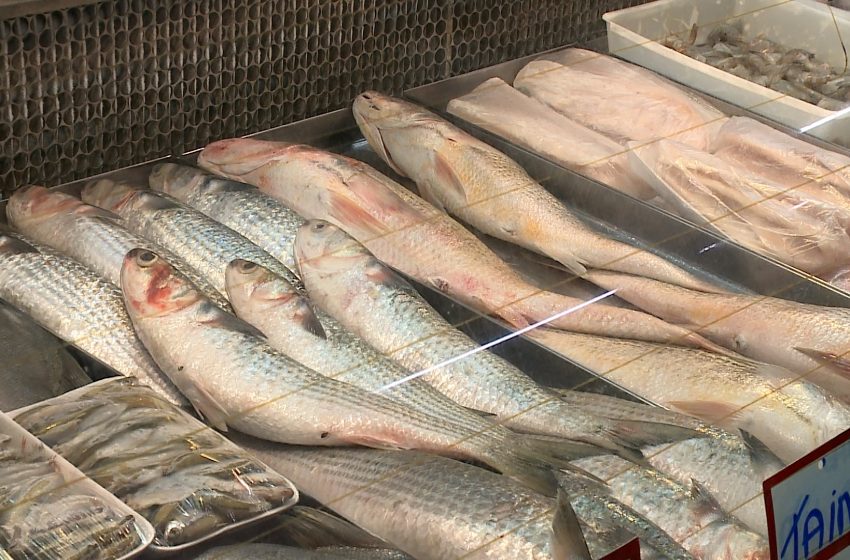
(89, 89)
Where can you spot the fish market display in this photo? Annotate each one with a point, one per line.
(235, 379)
(186, 479)
(499, 108)
(39, 368)
(263, 551)
(791, 416)
(767, 218)
(687, 514)
(51, 513)
(795, 72)
(348, 283)
(485, 188)
(432, 507)
(88, 234)
(274, 306)
(206, 245)
(811, 340)
(618, 99)
(80, 307)
(411, 235)
(241, 207)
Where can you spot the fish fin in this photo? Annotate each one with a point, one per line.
(481, 413)
(309, 321)
(713, 412)
(313, 528)
(707, 502)
(567, 539)
(152, 200)
(346, 211)
(837, 362)
(761, 455)
(380, 193)
(378, 272)
(214, 316)
(571, 263)
(13, 245)
(642, 433)
(206, 405)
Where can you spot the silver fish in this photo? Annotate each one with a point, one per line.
(79, 307)
(265, 551)
(791, 416)
(213, 356)
(689, 515)
(88, 234)
(488, 190)
(39, 368)
(411, 235)
(241, 207)
(451, 509)
(206, 245)
(812, 340)
(348, 283)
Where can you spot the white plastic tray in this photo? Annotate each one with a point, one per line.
(636, 34)
(25, 441)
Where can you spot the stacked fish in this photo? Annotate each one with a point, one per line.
(637, 132)
(346, 353)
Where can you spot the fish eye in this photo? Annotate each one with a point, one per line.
(248, 266)
(319, 226)
(146, 258)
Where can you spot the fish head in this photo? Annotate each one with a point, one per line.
(321, 247)
(109, 195)
(33, 204)
(176, 180)
(151, 286)
(237, 157)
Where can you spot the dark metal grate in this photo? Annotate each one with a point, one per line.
(93, 88)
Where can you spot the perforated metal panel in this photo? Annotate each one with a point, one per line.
(93, 88)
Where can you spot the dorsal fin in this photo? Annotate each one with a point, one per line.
(567, 540)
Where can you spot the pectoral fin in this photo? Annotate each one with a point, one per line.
(567, 540)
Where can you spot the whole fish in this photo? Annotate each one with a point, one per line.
(275, 307)
(265, 551)
(349, 284)
(812, 340)
(241, 207)
(235, 379)
(206, 245)
(87, 234)
(80, 307)
(485, 188)
(689, 515)
(431, 507)
(409, 234)
(730, 467)
(791, 416)
(39, 368)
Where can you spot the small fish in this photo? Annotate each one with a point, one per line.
(88, 234)
(467, 510)
(367, 298)
(80, 307)
(485, 188)
(789, 415)
(411, 235)
(213, 356)
(241, 207)
(206, 245)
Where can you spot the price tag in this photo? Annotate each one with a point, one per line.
(808, 505)
(629, 551)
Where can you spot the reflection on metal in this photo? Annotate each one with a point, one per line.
(825, 120)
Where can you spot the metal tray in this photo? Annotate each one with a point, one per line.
(22, 439)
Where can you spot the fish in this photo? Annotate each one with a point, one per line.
(39, 368)
(483, 187)
(274, 306)
(419, 240)
(346, 281)
(811, 340)
(121, 434)
(729, 466)
(80, 307)
(90, 235)
(206, 245)
(450, 509)
(791, 416)
(212, 356)
(688, 514)
(497, 107)
(785, 224)
(268, 551)
(620, 100)
(242, 207)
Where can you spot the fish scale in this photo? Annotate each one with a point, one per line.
(239, 206)
(80, 307)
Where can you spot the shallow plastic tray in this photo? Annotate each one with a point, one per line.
(22, 439)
